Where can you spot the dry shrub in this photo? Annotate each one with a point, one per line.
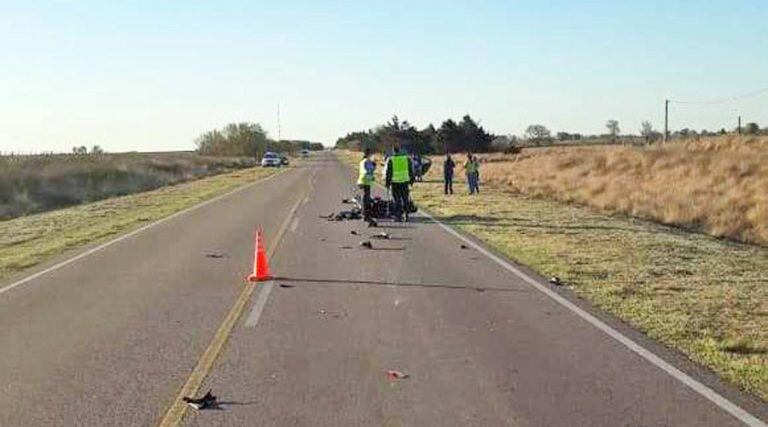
(715, 185)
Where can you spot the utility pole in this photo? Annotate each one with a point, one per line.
(738, 127)
(279, 131)
(666, 119)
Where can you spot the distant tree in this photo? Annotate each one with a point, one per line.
(564, 136)
(501, 143)
(751, 129)
(449, 137)
(647, 132)
(613, 128)
(80, 150)
(538, 134)
(97, 150)
(237, 139)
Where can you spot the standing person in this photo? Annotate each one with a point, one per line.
(365, 180)
(417, 166)
(399, 177)
(448, 166)
(471, 169)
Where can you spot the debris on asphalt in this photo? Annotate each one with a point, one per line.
(396, 375)
(464, 247)
(206, 402)
(346, 215)
(329, 216)
(555, 281)
(322, 239)
(381, 235)
(480, 289)
(346, 247)
(353, 232)
(215, 255)
(283, 285)
(366, 244)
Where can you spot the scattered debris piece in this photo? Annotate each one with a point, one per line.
(464, 246)
(215, 255)
(477, 289)
(345, 215)
(555, 281)
(348, 201)
(346, 247)
(372, 223)
(366, 244)
(396, 375)
(283, 285)
(353, 232)
(144, 218)
(322, 239)
(322, 311)
(329, 216)
(205, 402)
(381, 235)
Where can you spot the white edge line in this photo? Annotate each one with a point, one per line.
(258, 308)
(133, 233)
(681, 376)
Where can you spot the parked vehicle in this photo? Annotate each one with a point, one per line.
(271, 159)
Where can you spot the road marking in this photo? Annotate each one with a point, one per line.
(133, 233)
(261, 301)
(178, 408)
(681, 376)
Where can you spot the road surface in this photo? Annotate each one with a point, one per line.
(111, 338)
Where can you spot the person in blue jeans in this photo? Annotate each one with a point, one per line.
(472, 169)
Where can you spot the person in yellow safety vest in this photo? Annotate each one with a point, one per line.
(399, 177)
(365, 180)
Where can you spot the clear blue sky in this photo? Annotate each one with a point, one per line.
(149, 75)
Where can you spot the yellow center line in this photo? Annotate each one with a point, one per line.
(177, 410)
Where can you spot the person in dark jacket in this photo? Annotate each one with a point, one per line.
(448, 166)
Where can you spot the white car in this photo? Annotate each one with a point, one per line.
(271, 159)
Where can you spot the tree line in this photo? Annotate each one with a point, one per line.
(451, 136)
(468, 135)
(247, 139)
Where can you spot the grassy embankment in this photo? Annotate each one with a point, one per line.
(39, 183)
(703, 296)
(32, 239)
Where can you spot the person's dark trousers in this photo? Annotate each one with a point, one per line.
(401, 198)
(366, 201)
(448, 184)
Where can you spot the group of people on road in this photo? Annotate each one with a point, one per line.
(401, 171)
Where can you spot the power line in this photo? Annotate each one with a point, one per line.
(722, 100)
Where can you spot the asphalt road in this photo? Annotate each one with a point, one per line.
(111, 338)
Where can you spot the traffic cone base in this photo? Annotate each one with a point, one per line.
(260, 261)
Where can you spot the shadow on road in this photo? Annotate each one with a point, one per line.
(345, 282)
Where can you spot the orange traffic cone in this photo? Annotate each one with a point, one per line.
(260, 262)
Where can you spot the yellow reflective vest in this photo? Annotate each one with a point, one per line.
(365, 173)
(400, 170)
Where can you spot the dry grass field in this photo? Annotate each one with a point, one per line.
(38, 183)
(718, 186)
